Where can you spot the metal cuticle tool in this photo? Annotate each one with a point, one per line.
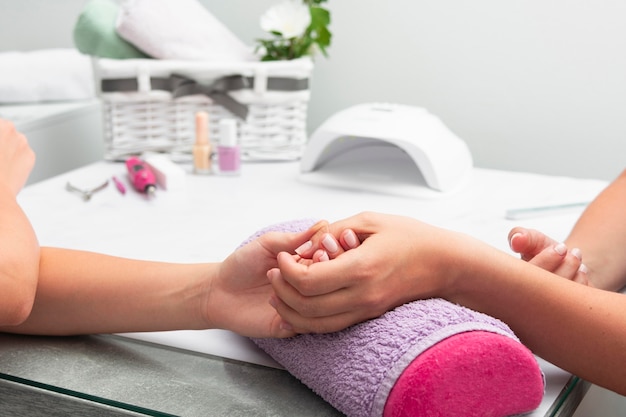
(86, 194)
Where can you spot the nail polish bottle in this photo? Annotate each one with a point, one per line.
(202, 147)
(228, 155)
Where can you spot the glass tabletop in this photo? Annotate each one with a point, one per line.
(569, 398)
(141, 378)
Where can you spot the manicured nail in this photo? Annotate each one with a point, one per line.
(513, 238)
(351, 239)
(286, 326)
(329, 243)
(561, 249)
(304, 247)
(324, 257)
(577, 253)
(272, 274)
(583, 268)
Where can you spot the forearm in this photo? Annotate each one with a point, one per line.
(19, 260)
(575, 327)
(601, 235)
(83, 292)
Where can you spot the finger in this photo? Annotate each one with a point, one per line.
(279, 328)
(517, 238)
(276, 242)
(308, 248)
(331, 245)
(327, 324)
(528, 242)
(570, 265)
(292, 306)
(295, 321)
(550, 258)
(298, 259)
(320, 255)
(582, 276)
(315, 279)
(318, 238)
(349, 239)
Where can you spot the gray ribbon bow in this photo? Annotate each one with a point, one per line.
(180, 86)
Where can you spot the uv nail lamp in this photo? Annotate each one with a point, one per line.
(388, 148)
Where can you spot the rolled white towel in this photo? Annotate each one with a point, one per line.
(45, 75)
(179, 29)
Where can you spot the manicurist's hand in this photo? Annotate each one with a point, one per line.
(399, 260)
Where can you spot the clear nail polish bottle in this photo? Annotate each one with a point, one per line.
(228, 154)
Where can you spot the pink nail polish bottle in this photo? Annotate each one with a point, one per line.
(228, 155)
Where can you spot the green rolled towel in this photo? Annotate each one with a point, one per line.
(95, 34)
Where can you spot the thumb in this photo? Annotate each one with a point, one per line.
(529, 242)
(276, 242)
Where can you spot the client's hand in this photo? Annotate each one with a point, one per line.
(544, 252)
(400, 259)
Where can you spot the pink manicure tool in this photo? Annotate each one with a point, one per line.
(141, 176)
(119, 185)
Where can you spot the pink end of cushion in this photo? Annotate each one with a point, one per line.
(476, 373)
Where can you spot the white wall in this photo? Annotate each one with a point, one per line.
(533, 85)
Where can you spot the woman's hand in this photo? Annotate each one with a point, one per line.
(399, 259)
(16, 158)
(545, 252)
(19, 249)
(240, 294)
(324, 246)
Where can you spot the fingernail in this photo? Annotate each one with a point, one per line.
(304, 247)
(324, 257)
(583, 268)
(272, 274)
(329, 243)
(513, 238)
(286, 326)
(577, 253)
(561, 249)
(351, 239)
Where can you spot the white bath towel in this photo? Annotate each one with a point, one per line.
(45, 75)
(179, 29)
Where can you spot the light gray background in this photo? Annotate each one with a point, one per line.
(531, 85)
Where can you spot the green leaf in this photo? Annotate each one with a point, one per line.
(323, 38)
(319, 16)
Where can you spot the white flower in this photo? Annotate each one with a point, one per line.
(289, 18)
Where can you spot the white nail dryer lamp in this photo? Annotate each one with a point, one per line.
(388, 148)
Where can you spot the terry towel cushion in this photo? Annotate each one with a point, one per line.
(424, 358)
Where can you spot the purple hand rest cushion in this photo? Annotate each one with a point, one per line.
(425, 358)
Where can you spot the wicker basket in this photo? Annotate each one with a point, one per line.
(150, 105)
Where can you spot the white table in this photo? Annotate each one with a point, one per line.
(209, 218)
